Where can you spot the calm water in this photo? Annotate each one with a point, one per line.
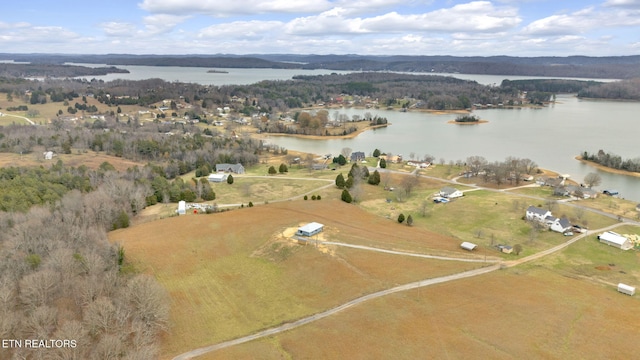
(200, 75)
(551, 136)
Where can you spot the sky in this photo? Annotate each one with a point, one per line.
(372, 27)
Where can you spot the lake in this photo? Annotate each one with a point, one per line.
(551, 136)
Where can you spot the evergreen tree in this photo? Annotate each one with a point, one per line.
(283, 169)
(272, 170)
(340, 183)
(376, 153)
(346, 197)
(383, 163)
(401, 218)
(409, 220)
(374, 179)
(230, 179)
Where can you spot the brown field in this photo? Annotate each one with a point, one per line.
(227, 279)
(510, 314)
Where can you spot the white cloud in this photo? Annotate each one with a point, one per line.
(118, 28)
(472, 17)
(233, 7)
(161, 23)
(633, 4)
(242, 30)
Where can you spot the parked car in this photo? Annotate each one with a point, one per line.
(568, 233)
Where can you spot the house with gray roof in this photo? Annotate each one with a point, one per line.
(232, 168)
(537, 214)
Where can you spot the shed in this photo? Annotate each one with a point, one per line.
(310, 229)
(626, 289)
(468, 246)
(182, 207)
(218, 177)
(614, 239)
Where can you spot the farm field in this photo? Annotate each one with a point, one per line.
(515, 313)
(227, 279)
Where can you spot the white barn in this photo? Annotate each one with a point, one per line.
(626, 289)
(221, 177)
(614, 239)
(468, 246)
(182, 207)
(310, 229)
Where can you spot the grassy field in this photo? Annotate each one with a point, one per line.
(228, 279)
(89, 159)
(510, 314)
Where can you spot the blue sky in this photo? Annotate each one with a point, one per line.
(378, 27)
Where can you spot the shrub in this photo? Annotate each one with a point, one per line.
(400, 218)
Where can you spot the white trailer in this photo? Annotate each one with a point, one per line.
(626, 289)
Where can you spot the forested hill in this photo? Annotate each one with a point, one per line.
(613, 67)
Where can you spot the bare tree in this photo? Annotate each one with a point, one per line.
(592, 179)
(409, 182)
(39, 288)
(346, 152)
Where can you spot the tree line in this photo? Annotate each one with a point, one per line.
(61, 279)
(613, 161)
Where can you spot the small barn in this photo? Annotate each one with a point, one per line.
(614, 239)
(468, 246)
(218, 177)
(626, 289)
(310, 229)
(182, 207)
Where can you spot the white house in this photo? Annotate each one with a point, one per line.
(450, 193)
(310, 229)
(560, 225)
(614, 239)
(48, 155)
(536, 213)
(468, 246)
(221, 177)
(182, 207)
(626, 289)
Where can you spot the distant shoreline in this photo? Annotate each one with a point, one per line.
(605, 168)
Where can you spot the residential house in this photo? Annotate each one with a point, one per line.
(537, 214)
(357, 156)
(507, 249)
(233, 168)
(450, 193)
(560, 225)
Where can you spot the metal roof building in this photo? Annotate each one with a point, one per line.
(614, 239)
(310, 229)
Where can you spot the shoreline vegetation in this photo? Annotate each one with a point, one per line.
(325, 137)
(606, 168)
(214, 71)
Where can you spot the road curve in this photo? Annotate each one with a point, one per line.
(288, 326)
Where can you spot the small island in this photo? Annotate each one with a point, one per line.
(467, 119)
(214, 71)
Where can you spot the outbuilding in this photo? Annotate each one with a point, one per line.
(220, 177)
(468, 246)
(182, 207)
(626, 289)
(310, 229)
(614, 239)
